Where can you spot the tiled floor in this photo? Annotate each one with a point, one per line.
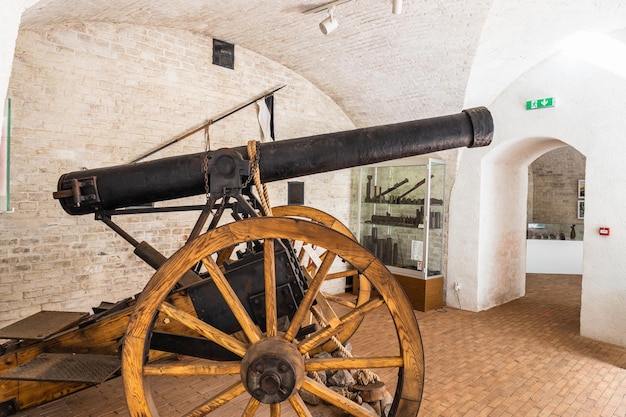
(524, 358)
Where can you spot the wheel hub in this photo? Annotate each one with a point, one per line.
(272, 370)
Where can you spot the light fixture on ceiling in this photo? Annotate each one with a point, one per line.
(330, 23)
(397, 7)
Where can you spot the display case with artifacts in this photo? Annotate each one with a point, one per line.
(401, 220)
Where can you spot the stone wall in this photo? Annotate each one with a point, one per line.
(555, 186)
(96, 95)
(9, 23)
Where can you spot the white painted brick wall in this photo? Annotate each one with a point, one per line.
(9, 24)
(97, 95)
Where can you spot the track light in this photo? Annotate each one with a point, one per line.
(397, 7)
(330, 23)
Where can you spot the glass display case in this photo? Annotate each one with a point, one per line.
(555, 231)
(401, 216)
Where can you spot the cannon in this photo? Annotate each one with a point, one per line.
(241, 306)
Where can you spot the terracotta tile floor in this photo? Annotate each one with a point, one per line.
(524, 358)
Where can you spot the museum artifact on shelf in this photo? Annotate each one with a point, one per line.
(401, 212)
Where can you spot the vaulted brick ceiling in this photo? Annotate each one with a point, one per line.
(436, 57)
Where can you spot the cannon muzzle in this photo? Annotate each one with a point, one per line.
(89, 191)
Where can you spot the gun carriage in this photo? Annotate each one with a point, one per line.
(241, 300)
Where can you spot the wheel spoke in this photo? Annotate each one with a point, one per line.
(224, 255)
(339, 300)
(299, 406)
(338, 400)
(342, 274)
(247, 325)
(269, 270)
(275, 410)
(328, 364)
(315, 261)
(318, 338)
(251, 407)
(309, 297)
(327, 313)
(210, 368)
(219, 400)
(365, 289)
(301, 254)
(208, 331)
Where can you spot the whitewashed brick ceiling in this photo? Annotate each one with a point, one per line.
(436, 57)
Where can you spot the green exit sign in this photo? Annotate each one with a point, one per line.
(541, 103)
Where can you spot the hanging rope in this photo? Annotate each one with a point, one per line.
(255, 155)
(315, 374)
(363, 376)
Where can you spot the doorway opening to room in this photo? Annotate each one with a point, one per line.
(555, 212)
(554, 235)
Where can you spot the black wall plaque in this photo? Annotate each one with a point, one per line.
(295, 193)
(223, 54)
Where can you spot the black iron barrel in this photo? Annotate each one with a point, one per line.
(88, 191)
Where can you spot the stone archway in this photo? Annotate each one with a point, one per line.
(504, 198)
(487, 247)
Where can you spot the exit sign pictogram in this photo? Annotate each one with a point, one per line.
(541, 103)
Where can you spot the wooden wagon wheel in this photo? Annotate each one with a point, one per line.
(313, 214)
(363, 285)
(274, 365)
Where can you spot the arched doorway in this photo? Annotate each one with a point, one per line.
(556, 199)
(554, 245)
(492, 267)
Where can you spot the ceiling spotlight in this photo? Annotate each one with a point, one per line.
(330, 23)
(397, 6)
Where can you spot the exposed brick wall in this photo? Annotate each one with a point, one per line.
(553, 189)
(99, 95)
(9, 23)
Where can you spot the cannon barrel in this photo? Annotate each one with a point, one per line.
(88, 191)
